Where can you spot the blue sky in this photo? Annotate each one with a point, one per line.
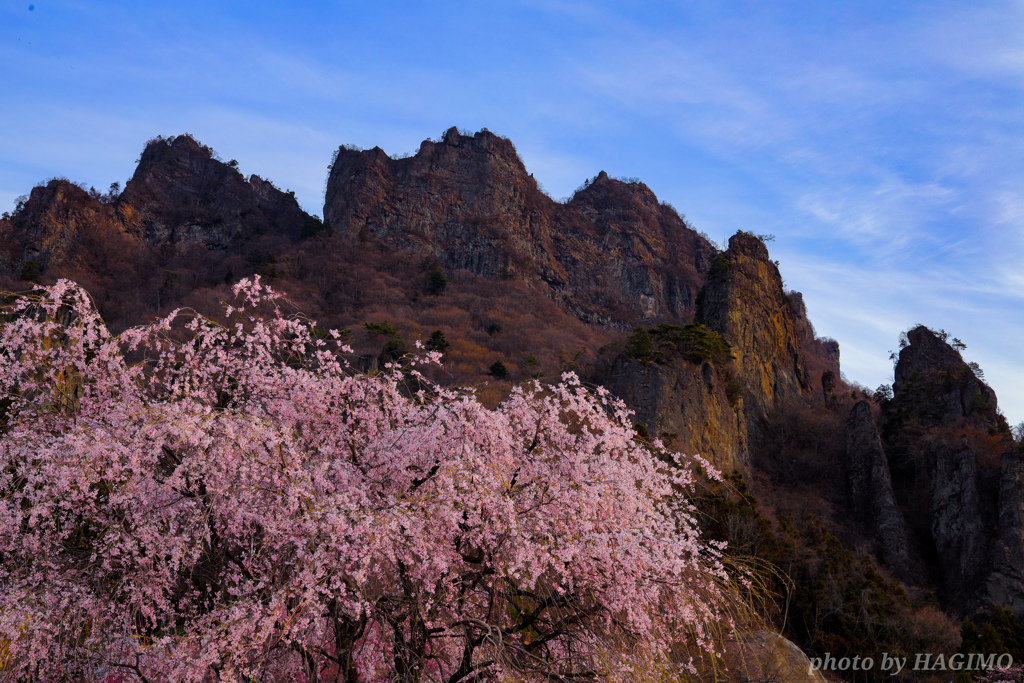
(882, 143)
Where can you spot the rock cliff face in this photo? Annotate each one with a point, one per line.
(771, 339)
(744, 301)
(613, 254)
(958, 529)
(49, 226)
(934, 384)
(944, 428)
(685, 404)
(871, 489)
(1005, 585)
(820, 354)
(181, 195)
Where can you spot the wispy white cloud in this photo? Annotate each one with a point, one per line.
(887, 217)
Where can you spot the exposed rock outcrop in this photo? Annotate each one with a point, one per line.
(1005, 585)
(958, 529)
(933, 383)
(685, 404)
(613, 254)
(821, 355)
(50, 224)
(871, 490)
(720, 409)
(181, 194)
(744, 301)
(944, 428)
(828, 387)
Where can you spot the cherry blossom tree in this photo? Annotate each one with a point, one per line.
(1011, 674)
(196, 500)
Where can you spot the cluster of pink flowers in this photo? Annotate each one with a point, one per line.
(198, 501)
(1014, 674)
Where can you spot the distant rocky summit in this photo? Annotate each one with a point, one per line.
(181, 194)
(945, 461)
(612, 254)
(180, 197)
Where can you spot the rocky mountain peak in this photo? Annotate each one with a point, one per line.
(925, 352)
(934, 383)
(177, 157)
(744, 301)
(482, 141)
(748, 245)
(59, 194)
(613, 255)
(604, 194)
(182, 194)
(184, 145)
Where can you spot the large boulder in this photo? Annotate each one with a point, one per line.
(763, 656)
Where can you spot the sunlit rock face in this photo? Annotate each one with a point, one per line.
(612, 254)
(685, 404)
(50, 226)
(716, 409)
(745, 302)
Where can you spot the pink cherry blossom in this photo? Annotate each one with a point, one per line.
(200, 501)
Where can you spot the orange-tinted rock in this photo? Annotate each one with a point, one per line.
(685, 404)
(612, 255)
(744, 301)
